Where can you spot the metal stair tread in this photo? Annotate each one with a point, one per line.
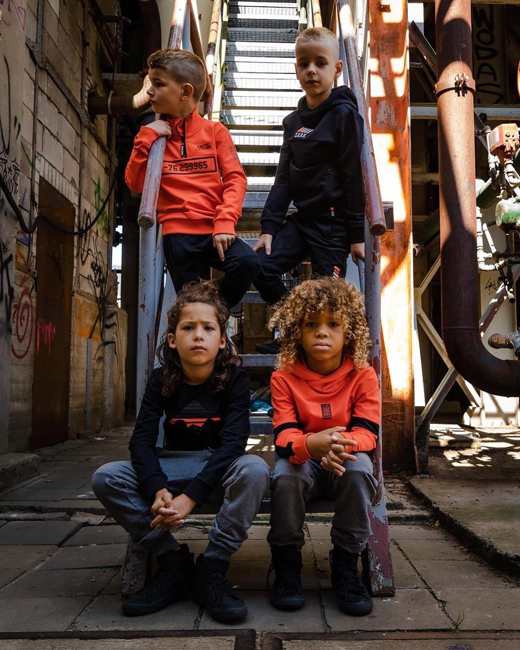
(259, 21)
(260, 50)
(260, 183)
(254, 200)
(245, 99)
(244, 81)
(256, 158)
(257, 138)
(258, 360)
(286, 35)
(250, 118)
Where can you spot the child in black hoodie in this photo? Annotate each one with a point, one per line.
(319, 170)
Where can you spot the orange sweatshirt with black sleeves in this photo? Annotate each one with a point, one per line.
(305, 402)
(203, 184)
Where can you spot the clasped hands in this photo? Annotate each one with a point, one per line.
(170, 512)
(330, 447)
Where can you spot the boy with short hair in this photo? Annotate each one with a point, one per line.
(319, 170)
(326, 422)
(203, 184)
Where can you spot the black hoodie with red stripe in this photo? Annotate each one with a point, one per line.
(319, 165)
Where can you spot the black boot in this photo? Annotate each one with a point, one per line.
(352, 595)
(173, 580)
(213, 592)
(287, 591)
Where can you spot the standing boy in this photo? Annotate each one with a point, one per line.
(203, 184)
(326, 421)
(319, 170)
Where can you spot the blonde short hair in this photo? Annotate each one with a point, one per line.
(320, 35)
(183, 67)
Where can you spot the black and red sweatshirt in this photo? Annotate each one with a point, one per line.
(320, 167)
(306, 402)
(203, 184)
(196, 419)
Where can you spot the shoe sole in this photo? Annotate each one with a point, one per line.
(288, 606)
(230, 618)
(143, 610)
(356, 612)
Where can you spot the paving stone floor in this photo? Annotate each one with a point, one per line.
(61, 559)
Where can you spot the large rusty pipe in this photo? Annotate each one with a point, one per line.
(375, 213)
(459, 272)
(151, 27)
(119, 104)
(210, 53)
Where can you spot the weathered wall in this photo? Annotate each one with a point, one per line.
(61, 63)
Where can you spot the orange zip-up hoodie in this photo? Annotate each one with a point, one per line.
(203, 184)
(305, 402)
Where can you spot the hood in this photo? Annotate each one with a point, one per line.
(311, 117)
(328, 384)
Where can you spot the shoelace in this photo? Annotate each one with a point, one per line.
(350, 581)
(290, 579)
(218, 584)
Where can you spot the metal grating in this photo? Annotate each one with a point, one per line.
(234, 80)
(252, 99)
(262, 35)
(239, 48)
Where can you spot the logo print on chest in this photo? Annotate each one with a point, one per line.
(326, 411)
(303, 132)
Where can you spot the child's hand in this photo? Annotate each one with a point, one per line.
(162, 127)
(319, 444)
(175, 514)
(222, 243)
(163, 499)
(333, 463)
(357, 251)
(264, 241)
(339, 445)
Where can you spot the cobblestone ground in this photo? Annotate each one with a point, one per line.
(61, 563)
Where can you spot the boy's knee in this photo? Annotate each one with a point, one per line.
(250, 265)
(102, 476)
(255, 470)
(289, 477)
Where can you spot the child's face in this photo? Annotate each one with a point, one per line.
(322, 338)
(197, 337)
(168, 97)
(316, 68)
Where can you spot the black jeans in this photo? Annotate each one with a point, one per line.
(189, 258)
(323, 238)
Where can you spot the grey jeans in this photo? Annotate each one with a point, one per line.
(240, 492)
(293, 485)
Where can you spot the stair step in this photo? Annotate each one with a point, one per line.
(241, 48)
(255, 158)
(254, 201)
(257, 138)
(254, 99)
(243, 117)
(252, 296)
(262, 35)
(258, 360)
(247, 8)
(263, 21)
(260, 64)
(260, 183)
(237, 80)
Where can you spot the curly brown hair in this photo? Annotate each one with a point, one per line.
(169, 359)
(314, 297)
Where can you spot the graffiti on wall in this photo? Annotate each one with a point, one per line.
(45, 333)
(23, 318)
(13, 12)
(6, 287)
(10, 127)
(488, 54)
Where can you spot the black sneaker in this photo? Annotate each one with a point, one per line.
(287, 591)
(352, 595)
(173, 580)
(213, 592)
(271, 347)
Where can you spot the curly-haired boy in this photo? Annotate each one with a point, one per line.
(326, 421)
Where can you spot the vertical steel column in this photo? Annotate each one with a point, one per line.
(148, 233)
(390, 126)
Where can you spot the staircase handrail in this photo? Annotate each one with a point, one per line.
(374, 207)
(213, 55)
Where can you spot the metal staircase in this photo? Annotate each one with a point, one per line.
(259, 90)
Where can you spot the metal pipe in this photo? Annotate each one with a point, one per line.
(459, 270)
(374, 209)
(422, 434)
(316, 14)
(211, 53)
(119, 105)
(148, 206)
(151, 26)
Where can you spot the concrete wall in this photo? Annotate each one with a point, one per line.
(73, 154)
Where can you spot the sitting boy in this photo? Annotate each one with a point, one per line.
(320, 171)
(326, 421)
(203, 184)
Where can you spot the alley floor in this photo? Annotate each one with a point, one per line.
(61, 564)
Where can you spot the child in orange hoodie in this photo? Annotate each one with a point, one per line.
(203, 184)
(326, 421)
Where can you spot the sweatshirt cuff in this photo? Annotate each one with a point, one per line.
(152, 485)
(299, 447)
(198, 491)
(146, 136)
(269, 227)
(356, 227)
(224, 226)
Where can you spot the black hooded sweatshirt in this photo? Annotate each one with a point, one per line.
(320, 166)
